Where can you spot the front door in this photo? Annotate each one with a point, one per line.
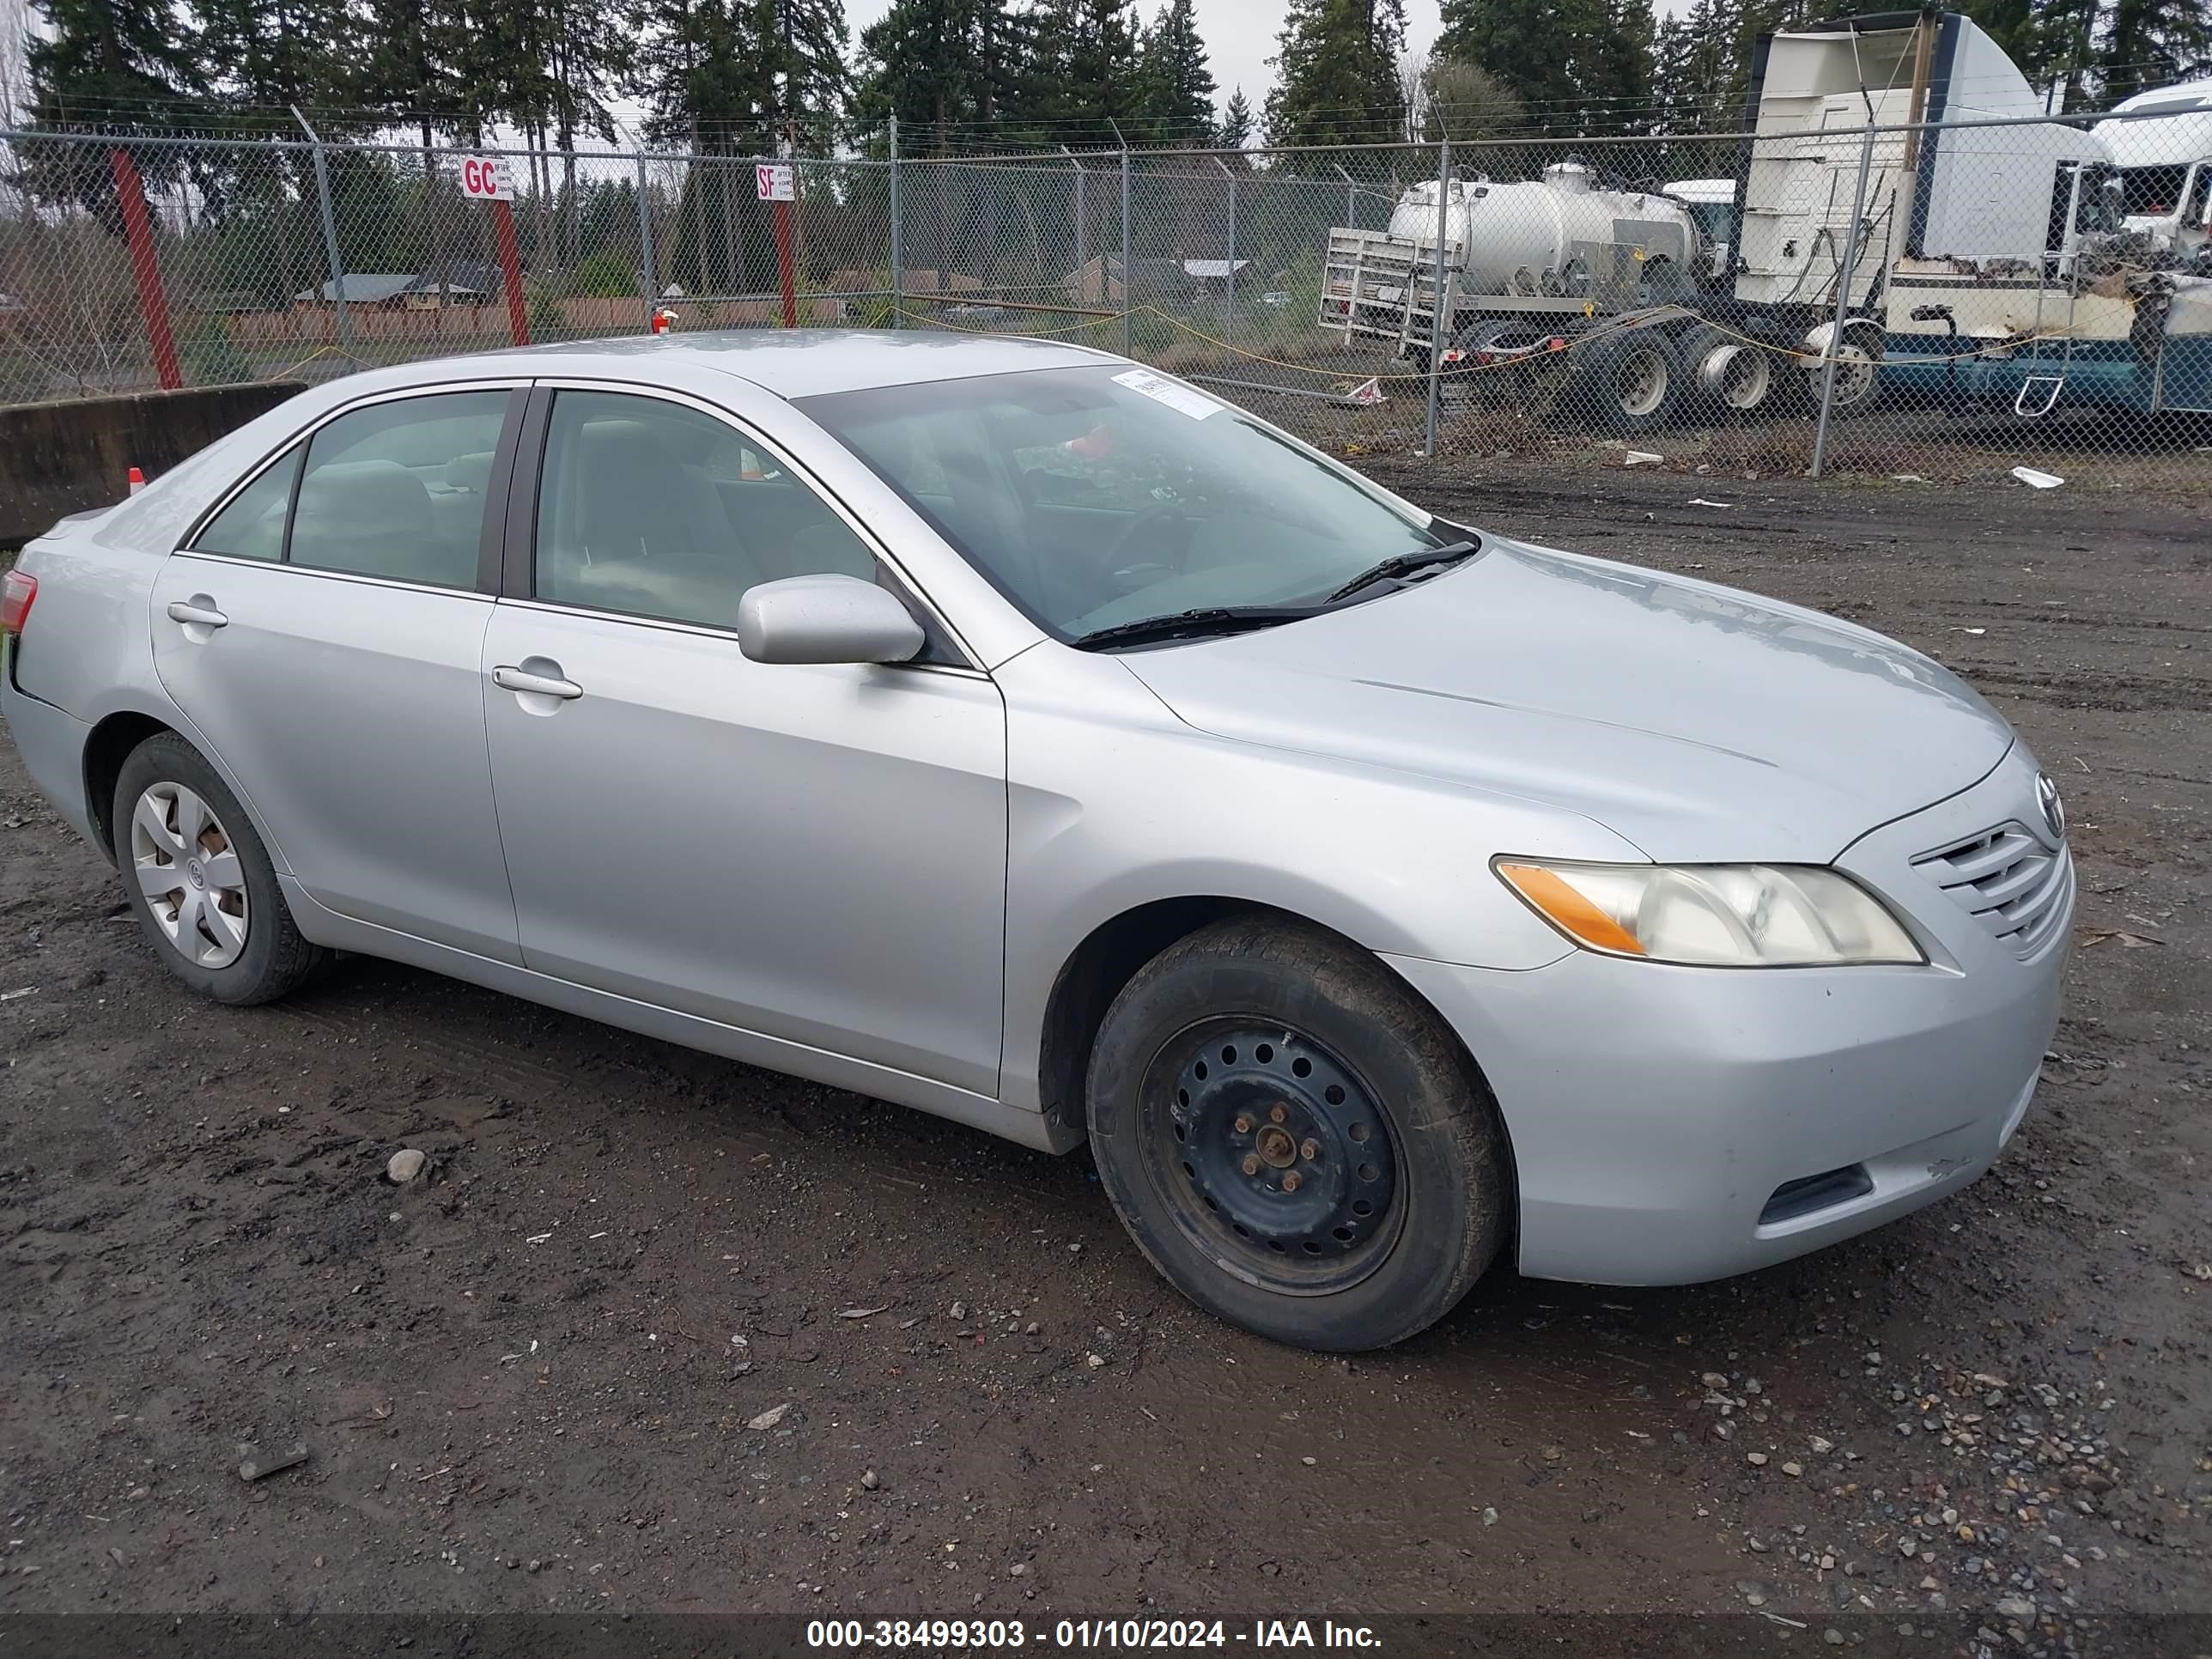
(324, 637)
(817, 854)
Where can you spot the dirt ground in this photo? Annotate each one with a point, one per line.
(548, 1375)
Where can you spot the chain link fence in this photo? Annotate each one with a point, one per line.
(1917, 301)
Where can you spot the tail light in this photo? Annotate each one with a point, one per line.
(17, 589)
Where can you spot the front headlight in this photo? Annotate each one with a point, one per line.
(1726, 916)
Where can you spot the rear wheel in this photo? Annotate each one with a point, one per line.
(1627, 383)
(1294, 1139)
(201, 883)
(1728, 373)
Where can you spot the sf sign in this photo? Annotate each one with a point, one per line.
(774, 182)
(483, 178)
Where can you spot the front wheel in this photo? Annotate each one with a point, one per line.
(1294, 1139)
(1857, 369)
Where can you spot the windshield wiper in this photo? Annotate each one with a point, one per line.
(1401, 564)
(1183, 624)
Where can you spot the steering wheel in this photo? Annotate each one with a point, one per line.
(1167, 522)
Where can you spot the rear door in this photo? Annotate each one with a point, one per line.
(322, 632)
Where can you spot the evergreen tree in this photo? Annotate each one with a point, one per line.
(408, 65)
(1175, 85)
(116, 66)
(1237, 124)
(277, 52)
(2152, 43)
(803, 43)
(921, 63)
(1103, 83)
(1582, 66)
(1336, 65)
(105, 65)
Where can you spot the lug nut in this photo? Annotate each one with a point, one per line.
(1291, 1181)
(1251, 1164)
(1244, 1124)
(1279, 1113)
(1310, 1150)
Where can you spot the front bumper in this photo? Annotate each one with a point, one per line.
(1656, 1112)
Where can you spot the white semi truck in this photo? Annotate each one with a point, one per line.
(2160, 148)
(1974, 262)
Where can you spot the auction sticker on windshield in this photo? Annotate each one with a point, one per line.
(1180, 399)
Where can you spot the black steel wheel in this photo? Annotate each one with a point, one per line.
(1271, 1155)
(1254, 1095)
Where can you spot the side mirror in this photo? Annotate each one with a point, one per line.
(826, 619)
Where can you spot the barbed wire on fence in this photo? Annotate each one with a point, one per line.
(1729, 303)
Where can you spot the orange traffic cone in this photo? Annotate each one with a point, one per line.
(137, 481)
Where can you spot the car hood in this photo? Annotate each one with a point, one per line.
(1696, 721)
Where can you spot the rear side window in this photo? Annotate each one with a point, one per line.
(253, 526)
(397, 490)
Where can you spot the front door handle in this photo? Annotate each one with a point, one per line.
(509, 677)
(197, 613)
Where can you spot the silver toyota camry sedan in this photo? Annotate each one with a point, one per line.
(1011, 731)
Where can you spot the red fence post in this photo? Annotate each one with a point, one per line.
(510, 272)
(145, 268)
(783, 265)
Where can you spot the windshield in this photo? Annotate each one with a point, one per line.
(1098, 496)
(2152, 192)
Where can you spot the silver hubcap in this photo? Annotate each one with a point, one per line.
(186, 867)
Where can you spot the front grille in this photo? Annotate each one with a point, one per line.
(2010, 881)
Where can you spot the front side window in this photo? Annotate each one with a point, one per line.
(2152, 191)
(1096, 496)
(398, 489)
(655, 509)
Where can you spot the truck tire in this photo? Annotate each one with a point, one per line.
(1859, 385)
(1628, 383)
(1727, 374)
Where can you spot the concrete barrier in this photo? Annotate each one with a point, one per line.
(61, 458)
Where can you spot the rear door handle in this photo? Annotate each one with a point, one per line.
(510, 678)
(202, 616)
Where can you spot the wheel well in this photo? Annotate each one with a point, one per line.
(105, 751)
(1104, 962)
(1093, 976)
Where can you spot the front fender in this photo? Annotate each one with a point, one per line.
(1114, 804)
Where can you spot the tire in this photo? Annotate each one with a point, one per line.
(233, 942)
(1257, 1086)
(1727, 374)
(1628, 383)
(1859, 385)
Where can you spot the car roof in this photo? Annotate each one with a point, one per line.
(789, 362)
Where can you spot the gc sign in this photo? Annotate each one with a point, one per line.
(483, 178)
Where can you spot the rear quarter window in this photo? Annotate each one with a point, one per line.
(253, 526)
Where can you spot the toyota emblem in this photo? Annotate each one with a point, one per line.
(2054, 810)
